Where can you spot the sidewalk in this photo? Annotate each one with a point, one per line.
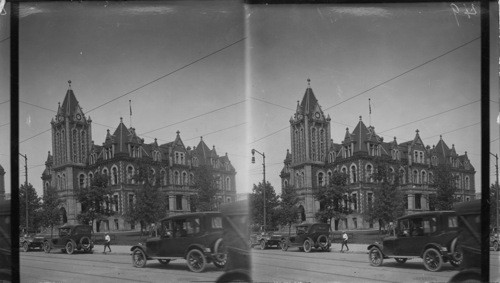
(125, 250)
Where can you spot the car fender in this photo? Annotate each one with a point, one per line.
(377, 245)
(196, 246)
(436, 246)
(139, 246)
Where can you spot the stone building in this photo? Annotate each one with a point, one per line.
(314, 157)
(2, 183)
(75, 159)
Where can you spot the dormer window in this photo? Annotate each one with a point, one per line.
(156, 156)
(434, 160)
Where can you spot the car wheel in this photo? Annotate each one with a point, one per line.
(375, 256)
(323, 242)
(139, 258)
(46, 247)
(164, 261)
(284, 245)
(456, 259)
(307, 245)
(85, 243)
(495, 246)
(26, 247)
(196, 260)
(400, 260)
(70, 247)
(432, 259)
(262, 245)
(220, 257)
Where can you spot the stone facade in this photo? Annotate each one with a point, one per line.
(314, 157)
(76, 159)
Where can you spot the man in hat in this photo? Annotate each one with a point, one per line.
(107, 242)
(344, 241)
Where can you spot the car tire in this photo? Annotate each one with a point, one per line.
(164, 261)
(85, 243)
(196, 260)
(400, 260)
(375, 256)
(432, 259)
(456, 259)
(262, 245)
(26, 247)
(70, 247)
(307, 245)
(323, 242)
(139, 258)
(220, 257)
(495, 246)
(46, 247)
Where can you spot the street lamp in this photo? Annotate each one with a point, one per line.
(264, 182)
(496, 186)
(26, 186)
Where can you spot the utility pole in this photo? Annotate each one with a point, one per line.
(264, 181)
(496, 188)
(26, 186)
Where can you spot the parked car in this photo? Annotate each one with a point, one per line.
(468, 242)
(265, 238)
(30, 240)
(71, 238)
(309, 236)
(5, 242)
(235, 235)
(196, 237)
(427, 235)
(494, 239)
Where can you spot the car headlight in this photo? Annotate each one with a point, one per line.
(207, 250)
(444, 249)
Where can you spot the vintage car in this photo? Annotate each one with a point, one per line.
(265, 238)
(494, 239)
(428, 235)
(5, 242)
(71, 238)
(235, 224)
(468, 242)
(309, 236)
(30, 240)
(196, 237)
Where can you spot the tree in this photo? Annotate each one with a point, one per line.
(493, 205)
(333, 199)
(50, 209)
(206, 189)
(94, 200)
(288, 211)
(33, 207)
(445, 185)
(389, 200)
(257, 205)
(150, 202)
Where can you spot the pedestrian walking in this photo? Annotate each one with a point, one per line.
(344, 242)
(107, 243)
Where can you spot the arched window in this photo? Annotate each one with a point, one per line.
(90, 178)
(176, 178)
(228, 183)
(81, 181)
(184, 178)
(415, 177)
(297, 180)
(467, 183)
(114, 178)
(63, 181)
(163, 177)
(320, 179)
(105, 173)
(344, 170)
(402, 176)
(431, 177)
(353, 174)
(392, 178)
(369, 173)
(285, 183)
(130, 174)
(423, 177)
(191, 178)
(329, 173)
(59, 182)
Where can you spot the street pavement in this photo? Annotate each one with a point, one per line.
(353, 248)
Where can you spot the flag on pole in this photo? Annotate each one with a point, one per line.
(370, 105)
(130, 104)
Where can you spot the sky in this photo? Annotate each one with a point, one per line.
(5, 118)
(233, 73)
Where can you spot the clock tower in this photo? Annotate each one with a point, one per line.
(310, 139)
(71, 143)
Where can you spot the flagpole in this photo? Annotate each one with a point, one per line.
(370, 111)
(130, 106)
